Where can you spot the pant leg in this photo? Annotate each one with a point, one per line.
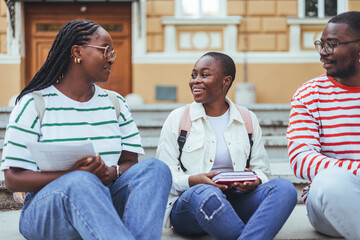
(140, 197)
(74, 206)
(266, 209)
(332, 203)
(205, 209)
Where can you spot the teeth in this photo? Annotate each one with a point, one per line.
(197, 90)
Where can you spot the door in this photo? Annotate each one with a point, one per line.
(44, 20)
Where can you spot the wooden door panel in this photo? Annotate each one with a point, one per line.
(44, 20)
(119, 71)
(42, 50)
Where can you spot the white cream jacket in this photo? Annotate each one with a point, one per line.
(199, 150)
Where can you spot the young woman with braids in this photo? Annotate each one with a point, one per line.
(107, 196)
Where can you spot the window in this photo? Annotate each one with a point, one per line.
(315, 8)
(201, 8)
(321, 8)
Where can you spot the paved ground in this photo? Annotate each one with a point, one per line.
(297, 227)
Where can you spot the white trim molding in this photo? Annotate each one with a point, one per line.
(15, 45)
(228, 24)
(296, 24)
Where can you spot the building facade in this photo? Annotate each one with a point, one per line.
(158, 42)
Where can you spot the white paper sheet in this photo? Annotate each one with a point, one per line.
(59, 156)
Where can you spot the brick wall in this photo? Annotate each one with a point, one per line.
(3, 26)
(265, 24)
(155, 30)
(354, 5)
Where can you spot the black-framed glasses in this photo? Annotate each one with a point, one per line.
(109, 52)
(329, 46)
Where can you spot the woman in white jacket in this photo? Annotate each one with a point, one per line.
(218, 141)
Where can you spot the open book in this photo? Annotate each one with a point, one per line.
(230, 177)
(59, 156)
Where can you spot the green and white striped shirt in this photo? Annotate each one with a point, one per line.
(66, 120)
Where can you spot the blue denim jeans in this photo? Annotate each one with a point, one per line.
(259, 214)
(78, 206)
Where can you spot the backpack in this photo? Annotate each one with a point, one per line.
(40, 109)
(185, 126)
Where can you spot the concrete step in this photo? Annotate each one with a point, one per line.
(5, 114)
(296, 227)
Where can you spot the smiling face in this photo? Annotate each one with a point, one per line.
(343, 62)
(96, 67)
(208, 83)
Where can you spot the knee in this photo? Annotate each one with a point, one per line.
(328, 183)
(210, 201)
(286, 189)
(78, 181)
(156, 169)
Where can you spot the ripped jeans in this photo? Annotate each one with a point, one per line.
(259, 214)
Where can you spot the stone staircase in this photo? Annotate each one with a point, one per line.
(149, 118)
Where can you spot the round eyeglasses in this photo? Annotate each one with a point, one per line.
(109, 52)
(329, 46)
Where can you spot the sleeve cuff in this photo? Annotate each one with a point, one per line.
(262, 176)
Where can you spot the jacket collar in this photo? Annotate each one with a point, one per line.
(197, 111)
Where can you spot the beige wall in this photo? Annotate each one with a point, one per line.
(274, 83)
(3, 26)
(10, 82)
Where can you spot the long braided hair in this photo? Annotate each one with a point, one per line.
(76, 32)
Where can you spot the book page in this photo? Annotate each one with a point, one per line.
(59, 156)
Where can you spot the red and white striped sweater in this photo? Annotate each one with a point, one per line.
(324, 128)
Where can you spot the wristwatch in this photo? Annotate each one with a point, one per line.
(118, 171)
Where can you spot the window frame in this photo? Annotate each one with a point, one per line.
(179, 10)
(342, 6)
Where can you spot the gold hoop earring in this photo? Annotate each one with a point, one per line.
(78, 60)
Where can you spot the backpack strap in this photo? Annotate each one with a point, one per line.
(113, 98)
(245, 114)
(39, 104)
(184, 131)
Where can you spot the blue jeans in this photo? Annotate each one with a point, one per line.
(78, 206)
(259, 214)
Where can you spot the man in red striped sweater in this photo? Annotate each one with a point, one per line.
(324, 131)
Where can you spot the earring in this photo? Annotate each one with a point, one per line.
(77, 60)
(60, 78)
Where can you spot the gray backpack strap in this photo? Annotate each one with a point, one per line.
(39, 104)
(113, 98)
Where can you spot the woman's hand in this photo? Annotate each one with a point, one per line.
(246, 186)
(205, 178)
(96, 166)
